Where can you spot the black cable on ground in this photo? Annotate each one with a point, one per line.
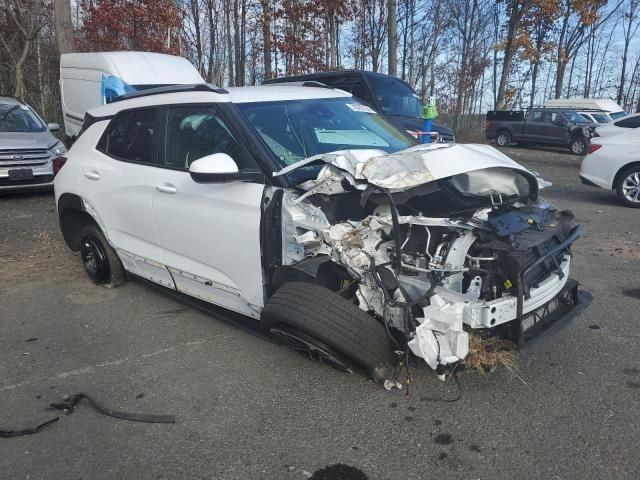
(74, 401)
(27, 431)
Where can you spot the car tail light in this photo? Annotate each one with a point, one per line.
(487, 124)
(57, 164)
(593, 147)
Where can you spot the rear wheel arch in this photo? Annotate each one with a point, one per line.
(73, 219)
(619, 173)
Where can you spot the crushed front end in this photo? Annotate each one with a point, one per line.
(438, 243)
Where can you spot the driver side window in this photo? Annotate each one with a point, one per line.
(197, 131)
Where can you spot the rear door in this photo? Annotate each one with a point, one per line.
(117, 182)
(209, 233)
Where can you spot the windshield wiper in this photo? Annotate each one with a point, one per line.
(302, 163)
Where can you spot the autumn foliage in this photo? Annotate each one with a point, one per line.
(152, 25)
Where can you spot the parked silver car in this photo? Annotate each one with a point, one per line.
(27, 148)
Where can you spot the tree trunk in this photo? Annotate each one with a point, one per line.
(513, 25)
(227, 20)
(625, 53)
(64, 27)
(333, 43)
(561, 61)
(266, 37)
(392, 6)
(534, 78)
(195, 13)
(19, 73)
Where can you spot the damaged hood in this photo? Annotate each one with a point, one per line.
(481, 169)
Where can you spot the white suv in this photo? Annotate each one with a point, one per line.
(304, 209)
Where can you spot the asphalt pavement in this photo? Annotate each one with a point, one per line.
(247, 408)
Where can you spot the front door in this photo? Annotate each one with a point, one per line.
(209, 233)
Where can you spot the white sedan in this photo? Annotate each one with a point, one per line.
(614, 163)
(630, 122)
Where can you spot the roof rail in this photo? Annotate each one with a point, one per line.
(298, 83)
(197, 87)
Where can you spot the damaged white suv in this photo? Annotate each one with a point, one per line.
(304, 209)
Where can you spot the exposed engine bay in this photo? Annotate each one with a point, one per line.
(435, 242)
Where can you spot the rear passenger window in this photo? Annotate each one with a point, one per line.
(629, 122)
(132, 136)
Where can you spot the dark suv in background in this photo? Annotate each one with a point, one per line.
(27, 148)
(540, 126)
(389, 96)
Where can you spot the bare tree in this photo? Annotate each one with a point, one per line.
(28, 19)
(629, 29)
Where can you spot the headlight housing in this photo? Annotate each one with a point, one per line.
(57, 150)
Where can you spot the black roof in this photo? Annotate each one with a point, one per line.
(329, 73)
(197, 87)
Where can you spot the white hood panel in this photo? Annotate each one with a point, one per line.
(413, 167)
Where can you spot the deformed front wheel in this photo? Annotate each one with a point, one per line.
(100, 260)
(326, 326)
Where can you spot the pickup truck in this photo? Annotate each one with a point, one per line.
(542, 126)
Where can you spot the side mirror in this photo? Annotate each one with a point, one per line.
(221, 168)
(561, 122)
(53, 127)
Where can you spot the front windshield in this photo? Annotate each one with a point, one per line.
(395, 97)
(617, 115)
(574, 117)
(601, 118)
(19, 118)
(293, 130)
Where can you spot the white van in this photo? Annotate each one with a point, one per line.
(607, 105)
(88, 80)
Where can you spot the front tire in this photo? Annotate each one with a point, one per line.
(503, 139)
(578, 146)
(100, 260)
(333, 321)
(628, 187)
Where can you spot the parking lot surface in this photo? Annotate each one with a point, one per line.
(247, 408)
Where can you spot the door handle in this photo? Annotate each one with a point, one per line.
(167, 188)
(92, 175)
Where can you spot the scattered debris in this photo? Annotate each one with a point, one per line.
(443, 439)
(339, 471)
(69, 404)
(485, 354)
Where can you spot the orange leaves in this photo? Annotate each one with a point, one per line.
(149, 25)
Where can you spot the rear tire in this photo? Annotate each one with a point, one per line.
(100, 260)
(333, 321)
(628, 187)
(578, 146)
(503, 139)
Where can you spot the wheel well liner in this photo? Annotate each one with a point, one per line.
(72, 218)
(622, 169)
